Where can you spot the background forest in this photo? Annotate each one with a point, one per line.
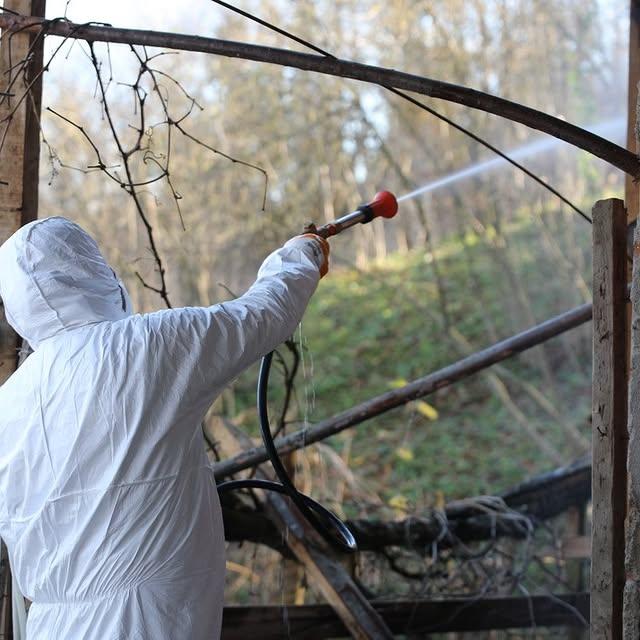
(472, 260)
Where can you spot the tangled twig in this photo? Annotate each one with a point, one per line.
(19, 87)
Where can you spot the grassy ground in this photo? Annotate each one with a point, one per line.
(368, 331)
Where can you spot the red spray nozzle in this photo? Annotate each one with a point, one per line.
(384, 204)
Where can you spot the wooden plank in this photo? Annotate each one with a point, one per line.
(19, 168)
(631, 601)
(631, 615)
(19, 156)
(13, 49)
(324, 570)
(31, 161)
(631, 606)
(12, 130)
(608, 418)
(317, 622)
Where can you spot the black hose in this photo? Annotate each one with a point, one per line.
(326, 523)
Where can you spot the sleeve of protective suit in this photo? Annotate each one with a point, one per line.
(199, 350)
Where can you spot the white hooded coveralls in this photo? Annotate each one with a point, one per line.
(108, 504)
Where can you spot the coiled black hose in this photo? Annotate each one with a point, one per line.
(326, 523)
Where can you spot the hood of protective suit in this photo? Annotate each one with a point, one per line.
(53, 278)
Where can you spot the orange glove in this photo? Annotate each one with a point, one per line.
(324, 246)
(320, 247)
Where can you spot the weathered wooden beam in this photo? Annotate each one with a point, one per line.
(31, 162)
(541, 498)
(609, 417)
(548, 494)
(20, 153)
(417, 389)
(410, 617)
(608, 151)
(631, 614)
(631, 603)
(324, 571)
(19, 160)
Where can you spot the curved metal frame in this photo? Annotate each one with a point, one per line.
(606, 150)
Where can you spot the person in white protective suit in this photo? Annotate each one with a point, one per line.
(108, 505)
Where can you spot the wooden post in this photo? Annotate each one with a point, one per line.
(632, 551)
(19, 165)
(609, 418)
(631, 611)
(324, 572)
(20, 154)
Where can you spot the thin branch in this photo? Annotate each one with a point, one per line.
(185, 133)
(101, 166)
(417, 103)
(130, 184)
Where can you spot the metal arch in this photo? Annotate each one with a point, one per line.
(606, 150)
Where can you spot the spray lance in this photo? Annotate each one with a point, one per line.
(325, 522)
(383, 205)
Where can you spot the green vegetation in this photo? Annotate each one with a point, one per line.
(368, 331)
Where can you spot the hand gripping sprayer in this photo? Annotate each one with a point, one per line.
(325, 522)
